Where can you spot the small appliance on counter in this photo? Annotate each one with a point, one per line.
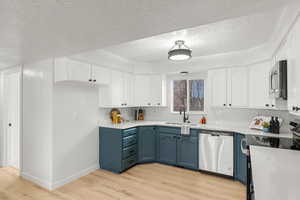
(115, 116)
(139, 114)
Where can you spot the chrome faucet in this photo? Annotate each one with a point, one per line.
(185, 116)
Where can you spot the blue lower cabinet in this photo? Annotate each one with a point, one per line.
(167, 148)
(187, 152)
(147, 144)
(118, 149)
(122, 149)
(178, 150)
(240, 160)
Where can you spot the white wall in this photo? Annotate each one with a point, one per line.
(75, 132)
(37, 122)
(1, 120)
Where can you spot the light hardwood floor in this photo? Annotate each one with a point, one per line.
(148, 181)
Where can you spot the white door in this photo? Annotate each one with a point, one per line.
(218, 87)
(259, 85)
(78, 71)
(156, 90)
(294, 69)
(237, 90)
(116, 87)
(12, 115)
(128, 87)
(142, 90)
(100, 75)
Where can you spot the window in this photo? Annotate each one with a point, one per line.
(188, 94)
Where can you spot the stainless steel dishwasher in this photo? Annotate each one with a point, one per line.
(216, 152)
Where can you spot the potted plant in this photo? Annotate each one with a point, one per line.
(266, 126)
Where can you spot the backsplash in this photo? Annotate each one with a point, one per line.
(104, 114)
(241, 117)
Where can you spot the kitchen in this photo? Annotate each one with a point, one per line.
(206, 111)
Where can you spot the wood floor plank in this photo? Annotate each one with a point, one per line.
(142, 182)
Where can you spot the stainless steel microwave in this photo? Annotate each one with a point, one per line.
(278, 80)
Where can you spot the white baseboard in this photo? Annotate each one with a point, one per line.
(42, 183)
(75, 176)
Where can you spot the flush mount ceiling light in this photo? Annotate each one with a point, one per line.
(179, 51)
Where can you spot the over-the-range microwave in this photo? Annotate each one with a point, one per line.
(278, 80)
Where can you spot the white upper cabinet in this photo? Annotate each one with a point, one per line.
(150, 90)
(237, 87)
(75, 71)
(218, 87)
(142, 90)
(293, 43)
(128, 89)
(100, 75)
(70, 70)
(157, 90)
(259, 86)
(119, 92)
(229, 87)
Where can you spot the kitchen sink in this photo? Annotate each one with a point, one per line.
(180, 123)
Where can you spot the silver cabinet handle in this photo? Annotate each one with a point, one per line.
(244, 151)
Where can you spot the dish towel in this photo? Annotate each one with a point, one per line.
(185, 129)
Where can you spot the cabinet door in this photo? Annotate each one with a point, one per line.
(117, 88)
(294, 69)
(218, 87)
(156, 90)
(78, 71)
(71, 70)
(167, 148)
(237, 90)
(187, 152)
(240, 160)
(128, 89)
(101, 75)
(259, 85)
(142, 90)
(147, 144)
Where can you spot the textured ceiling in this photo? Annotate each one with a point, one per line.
(36, 29)
(220, 37)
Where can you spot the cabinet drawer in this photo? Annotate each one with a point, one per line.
(169, 130)
(129, 151)
(129, 162)
(128, 132)
(128, 141)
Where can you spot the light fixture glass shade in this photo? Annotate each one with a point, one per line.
(179, 52)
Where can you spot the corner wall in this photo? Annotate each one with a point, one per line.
(37, 122)
(75, 132)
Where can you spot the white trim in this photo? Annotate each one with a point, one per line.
(43, 183)
(75, 176)
(52, 186)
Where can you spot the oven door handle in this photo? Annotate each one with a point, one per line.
(244, 151)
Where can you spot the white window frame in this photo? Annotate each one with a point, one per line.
(188, 96)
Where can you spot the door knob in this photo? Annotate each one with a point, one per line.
(9, 124)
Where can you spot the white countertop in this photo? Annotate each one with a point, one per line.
(228, 128)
